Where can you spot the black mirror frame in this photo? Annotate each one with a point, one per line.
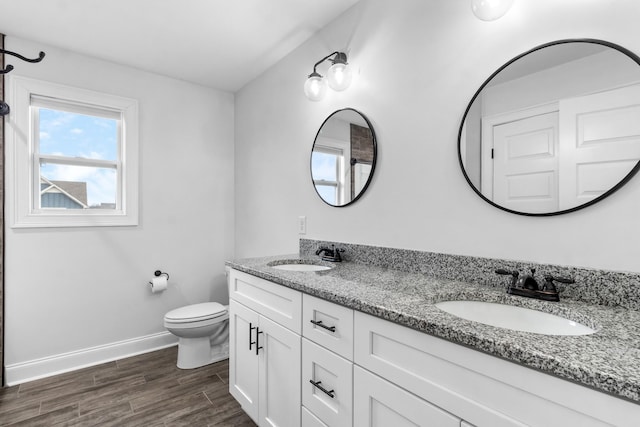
(373, 163)
(612, 190)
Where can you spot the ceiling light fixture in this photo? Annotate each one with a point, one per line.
(338, 77)
(490, 10)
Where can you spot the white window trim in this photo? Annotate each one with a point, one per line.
(20, 167)
(337, 148)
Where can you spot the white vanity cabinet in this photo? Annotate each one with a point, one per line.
(264, 349)
(319, 364)
(327, 363)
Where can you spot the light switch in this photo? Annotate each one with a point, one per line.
(302, 225)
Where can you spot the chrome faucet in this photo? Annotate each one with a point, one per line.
(332, 254)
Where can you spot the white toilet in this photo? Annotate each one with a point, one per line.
(203, 330)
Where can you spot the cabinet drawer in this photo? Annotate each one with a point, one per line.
(276, 302)
(310, 420)
(328, 324)
(377, 402)
(334, 374)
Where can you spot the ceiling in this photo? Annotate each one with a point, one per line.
(222, 44)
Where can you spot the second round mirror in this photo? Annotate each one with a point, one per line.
(555, 129)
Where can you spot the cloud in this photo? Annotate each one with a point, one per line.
(76, 131)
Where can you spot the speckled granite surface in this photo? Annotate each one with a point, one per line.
(608, 360)
(593, 286)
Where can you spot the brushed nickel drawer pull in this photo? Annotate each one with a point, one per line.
(319, 323)
(322, 389)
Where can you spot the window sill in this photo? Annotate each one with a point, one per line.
(66, 219)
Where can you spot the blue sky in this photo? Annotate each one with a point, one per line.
(323, 166)
(77, 135)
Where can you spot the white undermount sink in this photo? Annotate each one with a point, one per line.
(515, 318)
(298, 266)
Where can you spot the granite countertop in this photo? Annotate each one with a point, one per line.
(608, 360)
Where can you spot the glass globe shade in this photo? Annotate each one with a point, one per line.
(315, 87)
(339, 76)
(490, 10)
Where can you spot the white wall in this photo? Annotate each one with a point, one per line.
(584, 76)
(419, 62)
(69, 290)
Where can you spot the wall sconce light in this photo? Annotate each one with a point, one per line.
(338, 77)
(490, 10)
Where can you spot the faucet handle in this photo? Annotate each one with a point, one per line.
(514, 274)
(548, 284)
(563, 280)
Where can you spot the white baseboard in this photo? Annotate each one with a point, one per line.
(18, 373)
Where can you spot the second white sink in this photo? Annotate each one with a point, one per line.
(515, 318)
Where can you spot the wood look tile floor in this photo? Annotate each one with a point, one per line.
(146, 390)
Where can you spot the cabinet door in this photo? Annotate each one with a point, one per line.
(379, 403)
(279, 375)
(331, 399)
(243, 361)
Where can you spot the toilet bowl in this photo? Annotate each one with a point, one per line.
(203, 331)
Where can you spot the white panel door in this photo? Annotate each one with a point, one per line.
(599, 143)
(525, 164)
(279, 375)
(243, 360)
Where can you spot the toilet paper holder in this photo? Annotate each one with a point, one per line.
(159, 273)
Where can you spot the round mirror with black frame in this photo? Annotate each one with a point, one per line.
(555, 129)
(343, 157)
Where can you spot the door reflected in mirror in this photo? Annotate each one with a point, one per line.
(555, 129)
(343, 157)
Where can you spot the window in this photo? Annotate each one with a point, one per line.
(74, 156)
(327, 167)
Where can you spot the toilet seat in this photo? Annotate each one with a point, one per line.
(196, 313)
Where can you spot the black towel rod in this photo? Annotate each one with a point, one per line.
(4, 107)
(17, 55)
